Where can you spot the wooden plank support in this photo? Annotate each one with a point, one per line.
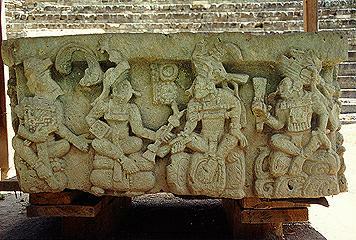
(65, 210)
(4, 154)
(70, 204)
(258, 203)
(263, 217)
(83, 216)
(256, 216)
(10, 185)
(57, 198)
(310, 15)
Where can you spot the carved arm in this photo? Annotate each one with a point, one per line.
(137, 126)
(320, 109)
(260, 110)
(33, 137)
(235, 125)
(96, 112)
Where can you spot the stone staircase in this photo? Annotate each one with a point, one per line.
(56, 17)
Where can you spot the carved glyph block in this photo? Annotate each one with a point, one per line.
(222, 115)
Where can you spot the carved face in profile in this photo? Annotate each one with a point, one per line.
(285, 88)
(115, 56)
(288, 88)
(122, 91)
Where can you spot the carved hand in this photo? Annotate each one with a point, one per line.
(323, 138)
(129, 166)
(167, 136)
(178, 145)
(240, 137)
(164, 134)
(260, 110)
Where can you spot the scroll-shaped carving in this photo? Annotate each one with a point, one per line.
(63, 63)
(301, 160)
(163, 77)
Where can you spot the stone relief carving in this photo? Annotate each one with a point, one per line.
(216, 166)
(301, 160)
(235, 122)
(42, 138)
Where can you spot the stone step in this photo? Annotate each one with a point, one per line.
(348, 105)
(347, 69)
(347, 82)
(286, 21)
(267, 14)
(137, 7)
(157, 17)
(259, 27)
(339, 12)
(177, 5)
(348, 118)
(337, 23)
(348, 109)
(352, 56)
(348, 93)
(336, 4)
(170, 25)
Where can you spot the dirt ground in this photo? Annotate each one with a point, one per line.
(164, 216)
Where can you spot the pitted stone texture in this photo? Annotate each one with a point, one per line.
(222, 115)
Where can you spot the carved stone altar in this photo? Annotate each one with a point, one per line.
(222, 115)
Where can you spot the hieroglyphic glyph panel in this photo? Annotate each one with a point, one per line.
(222, 115)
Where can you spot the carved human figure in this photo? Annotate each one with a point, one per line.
(42, 138)
(294, 113)
(118, 164)
(303, 148)
(330, 89)
(218, 111)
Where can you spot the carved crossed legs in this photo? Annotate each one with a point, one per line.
(225, 151)
(108, 172)
(288, 149)
(291, 155)
(39, 160)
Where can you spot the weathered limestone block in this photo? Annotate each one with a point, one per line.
(223, 115)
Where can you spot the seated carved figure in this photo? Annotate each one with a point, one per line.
(42, 139)
(302, 150)
(216, 166)
(118, 162)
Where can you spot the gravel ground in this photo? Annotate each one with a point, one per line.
(163, 216)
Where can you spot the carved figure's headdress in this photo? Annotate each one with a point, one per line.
(300, 65)
(39, 79)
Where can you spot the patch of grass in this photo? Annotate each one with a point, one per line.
(2, 196)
